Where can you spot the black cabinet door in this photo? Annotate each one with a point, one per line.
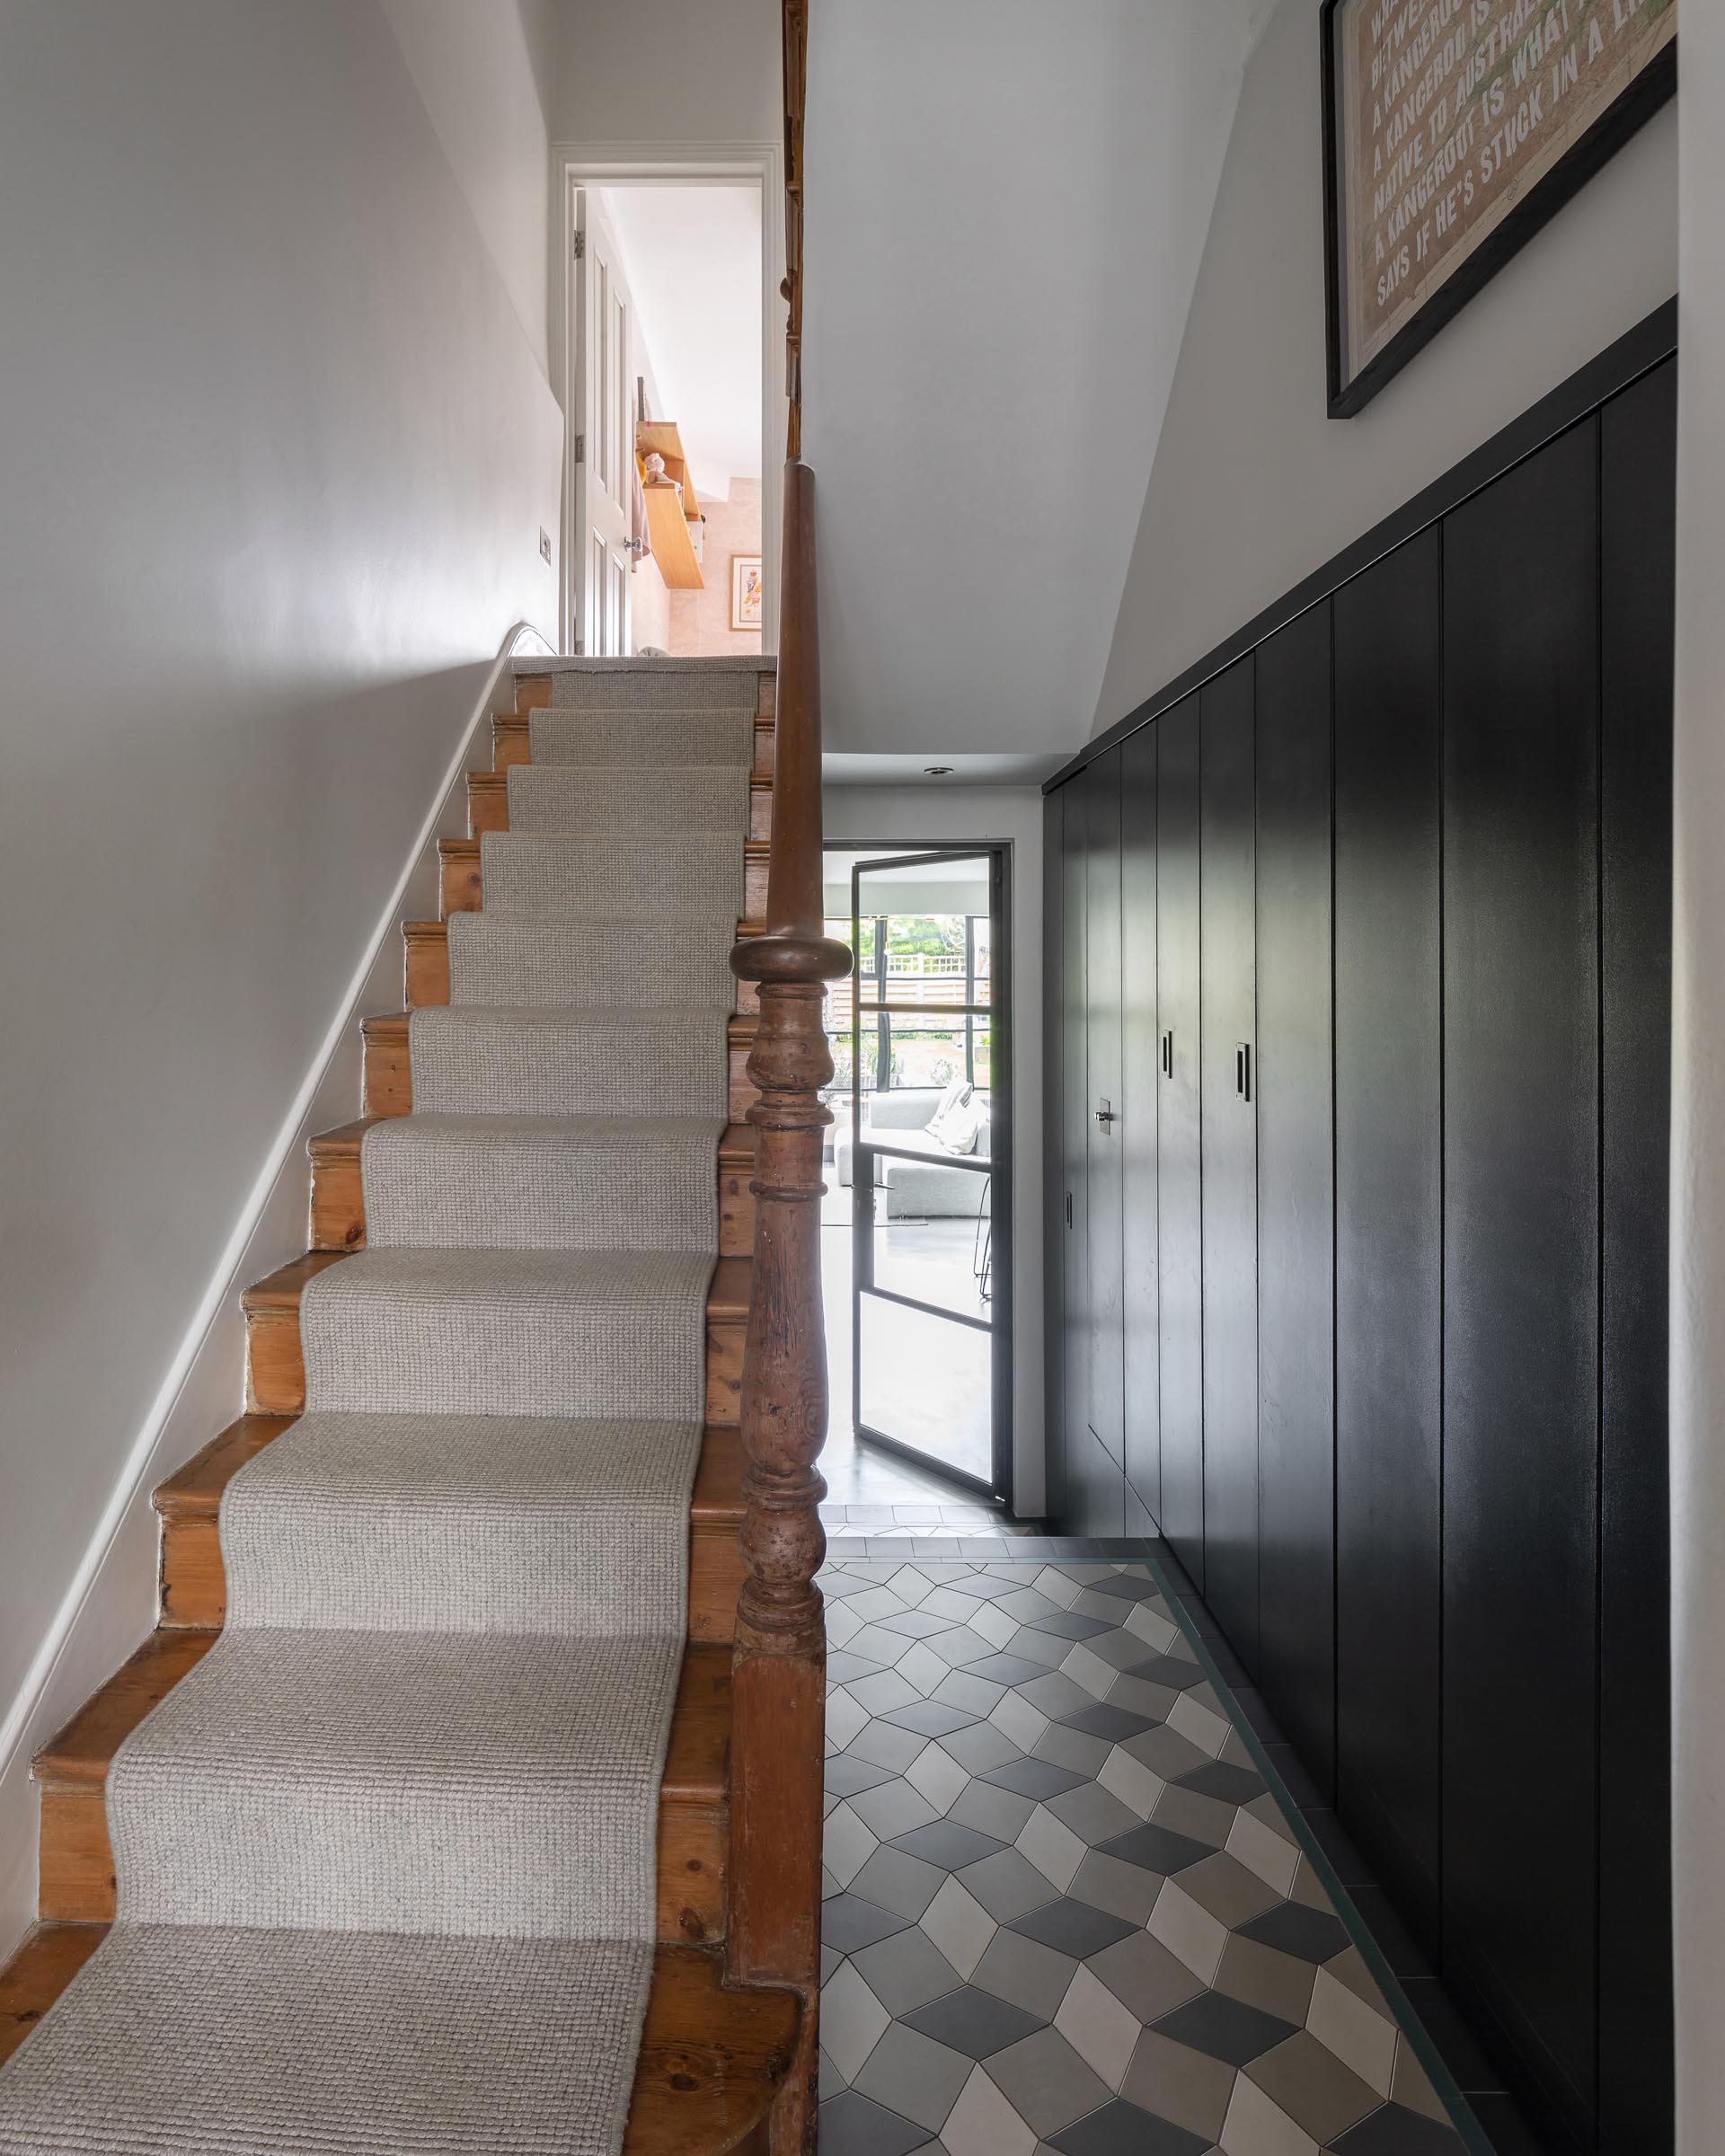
(1102, 784)
(1521, 1256)
(1179, 1203)
(1138, 1129)
(1638, 489)
(1389, 1218)
(1296, 1552)
(1228, 1053)
(1075, 1140)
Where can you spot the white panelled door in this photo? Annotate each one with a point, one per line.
(604, 328)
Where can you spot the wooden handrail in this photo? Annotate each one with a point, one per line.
(779, 1661)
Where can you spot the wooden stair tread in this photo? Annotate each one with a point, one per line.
(392, 1026)
(81, 1755)
(278, 1294)
(195, 1492)
(711, 2059)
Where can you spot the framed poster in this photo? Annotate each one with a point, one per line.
(1452, 130)
(748, 593)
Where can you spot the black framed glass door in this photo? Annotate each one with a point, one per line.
(931, 1162)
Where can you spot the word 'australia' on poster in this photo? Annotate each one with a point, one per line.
(1451, 111)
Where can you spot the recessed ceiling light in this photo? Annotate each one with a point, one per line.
(937, 771)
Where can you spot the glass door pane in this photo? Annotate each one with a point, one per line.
(925, 1063)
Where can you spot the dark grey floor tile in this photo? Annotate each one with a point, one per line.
(1073, 1928)
(1066, 1625)
(1121, 2129)
(928, 1717)
(1394, 1938)
(1175, 1671)
(848, 1922)
(1458, 2047)
(1037, 1778)
(1291, 1928)
(1394, 2130)
(1005, 1669)
(1160, 1848)
(851, 2126)
(973, 2021)
(1294, 1775)
(1224, 2027)
(947, 1844)
(1114, 1723)
(1351, 1868)
(1233, 1785)
(846, 1775)
(1124, 1587)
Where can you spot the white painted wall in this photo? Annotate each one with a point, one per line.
(935, 814)
(275, 449)
(678, 71)
(1254, 485)
(485, 70)
(1007, 208)
(1698, 1110)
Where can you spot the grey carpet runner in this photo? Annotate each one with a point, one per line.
(386, 1856)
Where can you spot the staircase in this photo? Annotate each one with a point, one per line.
(492, 1966)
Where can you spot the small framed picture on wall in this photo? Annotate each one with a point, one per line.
(748, 593)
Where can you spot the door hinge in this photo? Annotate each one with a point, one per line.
(580, 448)
(580, 245)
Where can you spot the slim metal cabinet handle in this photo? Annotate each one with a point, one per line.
(1243, 1069)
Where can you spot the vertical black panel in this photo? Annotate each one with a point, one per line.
(1389, 1218)
(1054, 1181)
(1228, 1029)
(1297, 1554)
(1138, 1130)
(1179, 1203)
(1637, 476)
(1521, 1257)
(1075, 1143)
(1102, 1003)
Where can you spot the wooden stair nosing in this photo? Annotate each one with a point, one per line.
(425, 964)
(488, 804)
(461, 887)
(193, 1578)
(76, 1861)
(711, 2061)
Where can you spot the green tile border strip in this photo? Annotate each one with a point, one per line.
(1461, 2112)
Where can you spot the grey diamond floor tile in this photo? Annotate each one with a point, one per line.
(1227, 2028)
(848, 1922)
(928, 1717)
(1037, 1778)
(914, 2075)
(982, 1750)
(848, 1776)
(1005, 1669)
(897, 1882)
(907, 1970)
(851, 2126)
(1073, 1928)
(1171, 1670)
(1314, 1934)
(1023, 1970)
(1115, 1723)
(1121, 2129)
(1006, 1885)
(1395, 2131)
(1047, 2082)
(1067, 1625)
(974, 2021)
(947, 1843)
(1124, 1587)
(1231, 1785)
(1160, 1848)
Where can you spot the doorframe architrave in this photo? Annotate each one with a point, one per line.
(575, 165)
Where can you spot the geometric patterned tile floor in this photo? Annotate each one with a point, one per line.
(1065, 1911)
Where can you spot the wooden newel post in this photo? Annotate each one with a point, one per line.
(778, 1664)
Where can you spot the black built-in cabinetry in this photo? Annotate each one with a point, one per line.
(1373, 919)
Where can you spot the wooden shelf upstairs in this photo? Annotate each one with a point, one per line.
(670, 514)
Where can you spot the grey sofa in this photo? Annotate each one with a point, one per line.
(930, 1190)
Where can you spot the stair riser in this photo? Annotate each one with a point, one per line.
(532, 693)
(389, 1080)
(488, 805)
(194, 1580)
(77, 1865)
(511, 744)
(339, 1207)
(461, 885)
(275, 1365)
(426, 969)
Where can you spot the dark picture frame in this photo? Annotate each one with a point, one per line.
(1350, 391)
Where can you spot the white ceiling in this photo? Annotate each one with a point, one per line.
(693, 257)
(1007, 203)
